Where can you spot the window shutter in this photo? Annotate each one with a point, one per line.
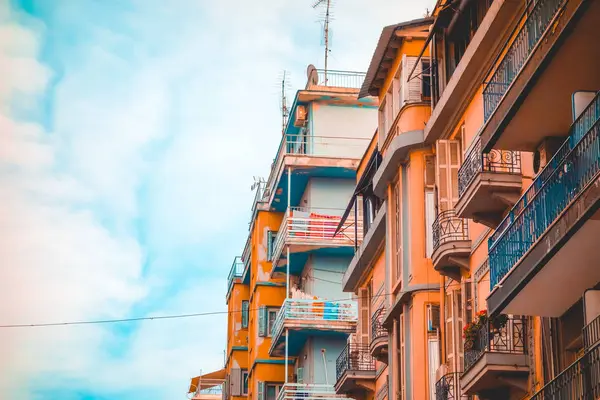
(244, 314)
(236, 382)
(300, 375)
(433, 350)
(363, 305)
(269, 245)
(262, 321)
(429, 218)
(415, 83)
(449, 330)
(261, 390)
(447, 166)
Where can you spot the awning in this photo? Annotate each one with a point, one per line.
(206, 381)
(363, 183)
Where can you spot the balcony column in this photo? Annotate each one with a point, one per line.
(287, 335)
(289, 214)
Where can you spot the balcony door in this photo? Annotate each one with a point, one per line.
(448, 160)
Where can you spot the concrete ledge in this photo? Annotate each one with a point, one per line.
(395, 154)
(403, 297)
(366, 251)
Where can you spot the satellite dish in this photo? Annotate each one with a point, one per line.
(312, 75)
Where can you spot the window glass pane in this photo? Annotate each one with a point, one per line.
(245, 382)
(271, 392)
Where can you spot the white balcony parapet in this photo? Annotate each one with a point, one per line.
(319, 312)
(308, 391)
(308, 145)
(316, 227)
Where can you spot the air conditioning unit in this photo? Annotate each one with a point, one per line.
(301, 116)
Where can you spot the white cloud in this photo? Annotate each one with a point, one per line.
(147, 155)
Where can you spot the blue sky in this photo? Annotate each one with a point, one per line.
(129, 135)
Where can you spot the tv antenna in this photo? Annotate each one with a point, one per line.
(327, 5)
(285, 112)
(258, 182)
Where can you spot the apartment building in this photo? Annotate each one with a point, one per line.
(513, 126)
(288, 318)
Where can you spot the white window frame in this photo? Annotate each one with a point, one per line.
(244, 387)
(270, 310)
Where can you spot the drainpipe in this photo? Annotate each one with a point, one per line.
(287, 335)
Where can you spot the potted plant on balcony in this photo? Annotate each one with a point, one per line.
(471, 330)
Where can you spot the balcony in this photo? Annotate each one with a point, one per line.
(496, 357)
(488, 184)
(379, 336)
(527, 95)
(581, 380)
(308, 391)
(306, 230)
(235, 274)
(214, 393)
(303, 156)
(355, 370)
(451, 244)
(303, 318)
(591, 333)
(553, 224)
(448, 388)
(336, 79)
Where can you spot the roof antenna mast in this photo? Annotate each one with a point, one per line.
(327, 4)
(285, 113)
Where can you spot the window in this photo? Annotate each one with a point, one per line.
(397, 227)
(244, 382)
(429, 218)
(270, 244)
(426, 79)
(245, 314)
(273, 391)
(271, 316)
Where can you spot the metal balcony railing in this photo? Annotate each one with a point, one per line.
(591, 333)
(382, 393)
(377, 328)
(511, 338)
(354, 357)
(340, 79)
(236, 271)
(448, 387)
(316, 226)
(306, 144)
(579, 381)
(525, 39)
(307, 391)
(573, 167)
(496, 161)
(447, 227)
(314, 311)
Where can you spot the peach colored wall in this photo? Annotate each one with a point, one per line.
(237, 336)
(412, 117)
(419, 339)
(365, 159)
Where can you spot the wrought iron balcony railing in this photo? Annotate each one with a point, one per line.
(340, 79)
(314, 311)
(510, 338)
(447, 227)
(579, 381)
(572, 168)
(496, 161)
(448, 387)
(354, 357)
(382, 393)
(308, 226)
(526, 38)
(236, 271)
(308, 391)
(377, 328)
(591, 333)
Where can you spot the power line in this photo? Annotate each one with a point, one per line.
(138, 319)
(164, 317)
